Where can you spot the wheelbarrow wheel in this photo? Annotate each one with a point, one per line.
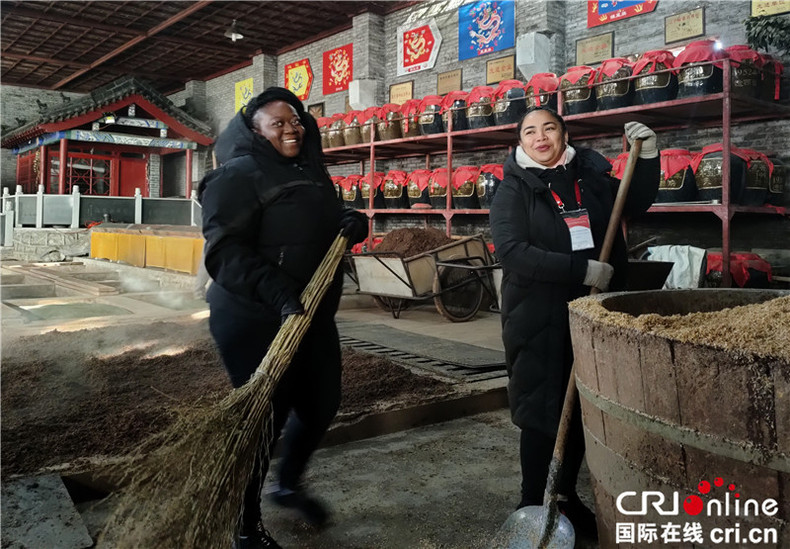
(458, 292)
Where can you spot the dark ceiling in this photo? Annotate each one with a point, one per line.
(79, 46)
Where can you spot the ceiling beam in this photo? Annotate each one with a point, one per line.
(197, 6)
(73, 21)
(47, 60)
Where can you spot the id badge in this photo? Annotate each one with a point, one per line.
(578, 222)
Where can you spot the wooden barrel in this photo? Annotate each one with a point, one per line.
(701, 431)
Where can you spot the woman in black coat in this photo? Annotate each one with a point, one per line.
(548, 187)
(270, 214)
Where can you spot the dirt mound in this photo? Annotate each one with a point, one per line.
(94, 393)
(409, 242)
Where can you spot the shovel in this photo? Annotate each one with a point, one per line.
(544, 527)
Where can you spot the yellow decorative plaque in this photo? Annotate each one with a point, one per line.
(769, 7)
(594, 49)
(400, 93)
(683, 26)
(448, 81)
(243, 93)
(500, 69)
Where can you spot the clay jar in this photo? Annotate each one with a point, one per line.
(655, 78)
(677, 183)
(410, 118)
(465, 188)
(336, 181)
(349, 187)
(707, 166)
(454, 108)
(394, 189)
(745, 70)
(437, 188)
(431, 115)
(366, 188)
(758, 176)
(335, 133)
(389, 122)
(613, 87)
(417, 187)
(780, 179)
(542, 90)
(352, 134)
(487, 182)
(576, 86)
(510, 103)
(480, 107)
(323, 128)
(699, 73)
(369, 120)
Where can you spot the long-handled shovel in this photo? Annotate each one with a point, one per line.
(187, 491)
(544, 527)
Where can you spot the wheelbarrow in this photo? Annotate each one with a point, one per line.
(456, 276)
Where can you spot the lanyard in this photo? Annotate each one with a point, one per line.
(559, 201)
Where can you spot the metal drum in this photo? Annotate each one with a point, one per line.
(410, 118)
(758, 176)
(352, 134)
(677, 183)
(465, 188)
(745, 75)
(614, 88)
(480, 107)
(369, 120)
(431, 115)
(576, 87)
(510, 103)
(417, 187)
(366, 189)
(349, 187)
(779, 181)
(677, 427)
(698, 73)
(708, 173)
(542, 90)
(396, 195)
(487, 183)
(389, 122)
(437, 188)
(335, 133)
(323, 128)
(454, 103)
(655, 78)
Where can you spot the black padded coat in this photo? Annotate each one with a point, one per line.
(541, 273)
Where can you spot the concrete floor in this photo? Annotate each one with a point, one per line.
(449, 482)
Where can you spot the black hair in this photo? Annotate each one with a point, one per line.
(554, 114)
(311, 150)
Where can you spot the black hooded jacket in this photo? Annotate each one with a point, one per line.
(541, 273)
(268, 221)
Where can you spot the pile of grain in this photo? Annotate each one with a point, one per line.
(410, 242)
(762, 328)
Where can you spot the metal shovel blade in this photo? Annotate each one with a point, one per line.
(523, 529)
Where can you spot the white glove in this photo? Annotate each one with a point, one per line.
(598, 274)
(637, 130)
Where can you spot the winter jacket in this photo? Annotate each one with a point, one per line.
(541, 273)
(268, 221)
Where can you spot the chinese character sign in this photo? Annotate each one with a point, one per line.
(418, 47)
(243, 93)
(485, 26)
(299, 78)
(600, 12)
(338, 68)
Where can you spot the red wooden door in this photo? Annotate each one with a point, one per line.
(132, 176)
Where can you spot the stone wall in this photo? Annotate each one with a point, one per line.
(49, 244)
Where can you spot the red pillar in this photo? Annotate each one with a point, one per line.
(63, 166)
(189, 173)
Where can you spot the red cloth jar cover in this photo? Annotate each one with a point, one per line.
(387, 109)
(430, 100)
(369, 113)
(452, 97)
(398, 177)
(543, 82)
(611, 66)
(348, 118)
(618, 165)
(744, 53)
(574, 74)
(495, 169)
(674, 160)
(409, 109)
(439, 176)
(323, 121)
(716, 147)
(506, 85)
(378, 179)
(699, 51)
(348, 182)
(740, 263)
(479, 92)
(652, 58)
(462, 174)
(419, 178)
(751, 154)
(337, 179)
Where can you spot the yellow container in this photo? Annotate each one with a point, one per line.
(197, 251)
(155, 252)
(179, 254)
(104, 246)
(131, 249)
